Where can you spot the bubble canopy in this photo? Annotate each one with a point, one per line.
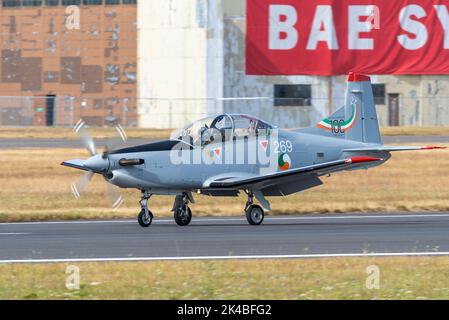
(221, 128)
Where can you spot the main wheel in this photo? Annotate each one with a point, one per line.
(143, 220)
(254, 214)
(183, 215)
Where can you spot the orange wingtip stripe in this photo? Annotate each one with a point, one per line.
(362, 159)
(432, 147)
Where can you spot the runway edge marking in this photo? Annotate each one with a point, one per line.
(249, 257)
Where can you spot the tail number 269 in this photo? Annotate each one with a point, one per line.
(283, 146)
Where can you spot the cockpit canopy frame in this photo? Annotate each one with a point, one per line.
(222, 128)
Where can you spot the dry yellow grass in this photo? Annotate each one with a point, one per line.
(67, 133)
(410, 131)
(35, 186)
(341, 278)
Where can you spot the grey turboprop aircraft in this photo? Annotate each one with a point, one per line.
(227, 154)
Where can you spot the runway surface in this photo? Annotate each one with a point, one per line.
(75, 143)
(278, 237)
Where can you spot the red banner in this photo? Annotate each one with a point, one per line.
(325, 37)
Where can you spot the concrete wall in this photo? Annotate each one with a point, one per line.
(424, 100)
(179, 60)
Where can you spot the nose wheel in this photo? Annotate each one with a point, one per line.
(145, 217)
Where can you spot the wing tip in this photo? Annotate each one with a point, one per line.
(432, 147)
(362, 159)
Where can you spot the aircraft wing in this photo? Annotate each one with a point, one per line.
(392, 148)
(318, 169)
(76, 163)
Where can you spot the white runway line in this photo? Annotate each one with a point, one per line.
(13, 234)
(199, 219)
(251, 257)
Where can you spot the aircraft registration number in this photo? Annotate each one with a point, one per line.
(283, 146)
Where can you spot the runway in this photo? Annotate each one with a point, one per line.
(224, 238)
(76, 143)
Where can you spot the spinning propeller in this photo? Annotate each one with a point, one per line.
(99, 162)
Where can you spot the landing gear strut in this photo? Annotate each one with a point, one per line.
(182, 212)
(254, 212)
(145, 216)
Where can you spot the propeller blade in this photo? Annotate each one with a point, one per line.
(78, 187)
(114, 194)
(86, 138)
(116, 141)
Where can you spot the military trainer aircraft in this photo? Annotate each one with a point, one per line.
(227, 154)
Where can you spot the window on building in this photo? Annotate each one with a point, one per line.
(379, 93)
(31, 3)
(71, 2)
(292, 95)
(11, 3)
(90, 2)
(51, 3)
(112, 2)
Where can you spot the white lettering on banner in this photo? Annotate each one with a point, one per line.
(283, 29)
(323, 18)
(355, 27)
(373, 19)
(443, 16)
(282, 33)
(412, 26)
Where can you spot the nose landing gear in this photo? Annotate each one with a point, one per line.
(145, 217)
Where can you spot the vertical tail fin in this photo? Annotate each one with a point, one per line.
(357, 119)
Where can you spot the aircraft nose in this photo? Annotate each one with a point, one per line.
(97, 163)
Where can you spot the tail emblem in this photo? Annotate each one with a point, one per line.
(342, 125)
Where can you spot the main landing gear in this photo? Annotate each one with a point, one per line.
(181, 210)
(145, 216)
(254, 212)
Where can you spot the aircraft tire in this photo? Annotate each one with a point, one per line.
(255, 215)
(183, 216)
(141, 219)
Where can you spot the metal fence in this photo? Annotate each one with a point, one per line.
(175, 113)
(66, 111)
